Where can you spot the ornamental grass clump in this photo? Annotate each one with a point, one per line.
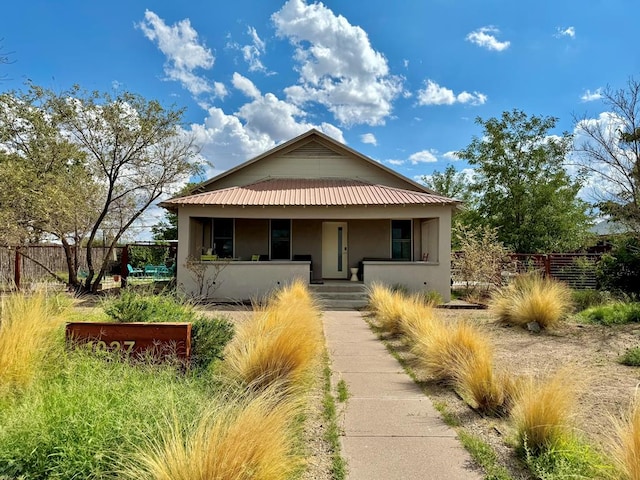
(462, 355)
(30, 334)
(281, 342)
(543, 412)
(388, 306)
(477, 381)
(446, 347)
(242, 439)
(418, 320)
(531, 298)
(625, 445)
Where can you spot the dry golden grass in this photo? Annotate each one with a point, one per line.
(388, 307)
(446, 347)
(625, 449)
(282, 341)
(240, 440)
(418, 319)
(543, 411)
(490, 392)
(532, 298)
(30, 330)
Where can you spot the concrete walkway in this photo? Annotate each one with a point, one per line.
(391, 430)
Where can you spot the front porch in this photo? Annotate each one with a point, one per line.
(248, 256)
(238, 280)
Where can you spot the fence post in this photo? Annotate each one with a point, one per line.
(124, 270)
(17, 273)
(547, 266)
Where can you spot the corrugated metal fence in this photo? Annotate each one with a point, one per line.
(578, 270)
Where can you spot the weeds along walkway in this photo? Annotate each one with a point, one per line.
(390, 429)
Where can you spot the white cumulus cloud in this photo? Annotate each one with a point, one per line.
(451, 155)
(245, 85)
(424, 156)
(396, 162)
(183, 51)
(589, 96)
(263, 123)
(369, 138)
(434, 94)
(486, 37)
(337, 65)
(566, 32)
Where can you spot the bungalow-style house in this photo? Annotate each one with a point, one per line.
(315, 209)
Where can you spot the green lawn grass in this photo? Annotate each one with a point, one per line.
(94, 415)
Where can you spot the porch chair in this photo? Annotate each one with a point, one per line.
(134, 272)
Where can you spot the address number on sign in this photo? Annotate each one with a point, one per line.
(125, 346)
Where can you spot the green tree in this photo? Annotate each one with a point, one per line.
(450, 183)
(129, 150)
(522, 187)
(166, 229)
(608, 150)
(45, 189)
(454, 184)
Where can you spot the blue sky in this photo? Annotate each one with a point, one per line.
(401, 82)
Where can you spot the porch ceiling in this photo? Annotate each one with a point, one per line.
(310, 192)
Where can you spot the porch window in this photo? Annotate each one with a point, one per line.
(223, 237)
(401, 240)
(280, 239)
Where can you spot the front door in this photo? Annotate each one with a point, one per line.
(334, 250)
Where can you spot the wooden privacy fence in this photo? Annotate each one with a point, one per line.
(52, 256)
(578, 270)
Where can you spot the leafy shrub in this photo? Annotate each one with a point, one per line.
(80, 421)
(613, 314)
(587, 298)
(625, 446)
(133, 306)
(571, 458)
(480, 262)
(532, 298)
(141, 255)
(631, 357)
(30, 334)
(619, 271)
(543, 412)
(209, 336)
(433, 298)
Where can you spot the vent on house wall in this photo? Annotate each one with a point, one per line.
(313, 149)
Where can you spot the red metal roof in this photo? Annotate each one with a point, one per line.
(311, 192)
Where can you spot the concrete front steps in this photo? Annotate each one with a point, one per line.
(340, 295)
